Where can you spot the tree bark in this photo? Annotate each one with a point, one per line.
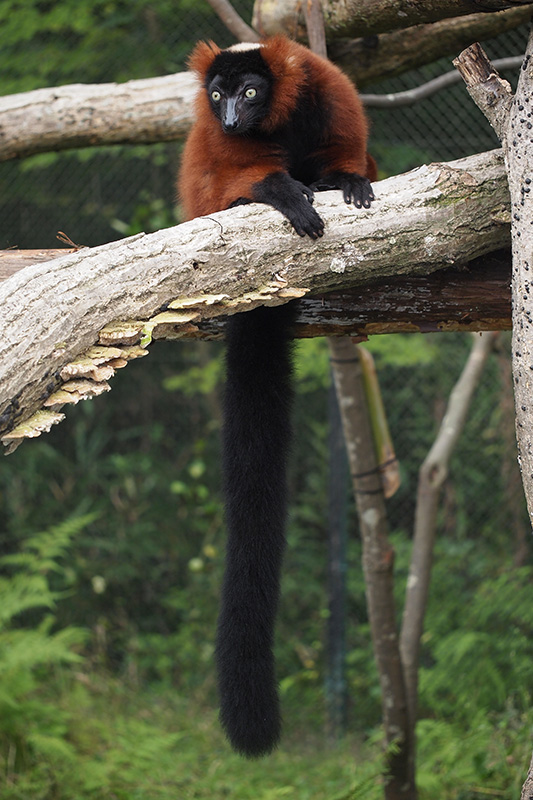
(512, 119)
(527, 788)
(336, 694)
(82, 115)
(233, 21)
(474, 296)
(425, 220)
(424, 90)
(519, 156)
(378, 563)
(373, 59)
(368, 17)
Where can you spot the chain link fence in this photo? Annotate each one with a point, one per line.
(97, 195)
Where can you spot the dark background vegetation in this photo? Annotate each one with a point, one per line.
(111, 527)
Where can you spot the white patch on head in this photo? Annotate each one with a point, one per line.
(242, 47)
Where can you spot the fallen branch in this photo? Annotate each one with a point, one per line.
(431, 218)
(82, 115)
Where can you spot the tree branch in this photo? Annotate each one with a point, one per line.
(369, 17)
(161, 109)
(375, 58)
(80, 115)
(233, 21)
(474, 296)
(425, 90)
(432, 217)
(488, 91)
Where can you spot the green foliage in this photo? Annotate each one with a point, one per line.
(487, 758)
(48, 43)
(478, 666)
(202, 378)
(312, 365)
(403, 350)
(393, 159)
(157, 744)
(30, 726)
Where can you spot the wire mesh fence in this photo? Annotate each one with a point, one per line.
(97, 195)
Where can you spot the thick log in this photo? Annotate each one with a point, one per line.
(375, 58)
(434, 217)
(81, 115)
(368, 17)
(475, 296)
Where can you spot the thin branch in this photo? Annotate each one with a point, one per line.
(432, 475)
(425, 90)
(233, 21)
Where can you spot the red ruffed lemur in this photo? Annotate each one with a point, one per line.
(274, 123)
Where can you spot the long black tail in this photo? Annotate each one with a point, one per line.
(255, 448)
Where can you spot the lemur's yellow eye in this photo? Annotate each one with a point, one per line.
(215, 96)
(251, 92)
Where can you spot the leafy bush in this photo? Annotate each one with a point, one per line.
(489, 757)
(481, 660)
(30, 725)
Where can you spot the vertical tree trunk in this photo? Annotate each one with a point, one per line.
(336, 639)
(527, 788)
(378, 555)
(519, 159)
(510, 471)
(512, 119)
(378, 563)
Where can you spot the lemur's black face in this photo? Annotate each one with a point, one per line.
(239, 87)
(241, 106)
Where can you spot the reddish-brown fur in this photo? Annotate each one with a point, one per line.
(218, 169)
